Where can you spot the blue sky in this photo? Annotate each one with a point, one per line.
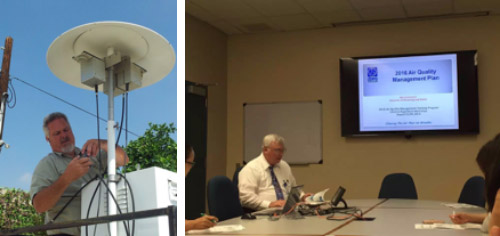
(34, 25)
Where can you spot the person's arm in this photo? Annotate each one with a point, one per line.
(91, 147)
(203, 222)
(46, 198)
(462, 218)
(495, 212)
(495, 231)
(247, 185)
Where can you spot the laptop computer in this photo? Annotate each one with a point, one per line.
(292, 199)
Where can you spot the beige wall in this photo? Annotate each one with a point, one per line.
(206, 64)
(303, 65)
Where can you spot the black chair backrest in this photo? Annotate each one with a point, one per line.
(473, 192)
(235, 176)
(223, 199)
(398, 185)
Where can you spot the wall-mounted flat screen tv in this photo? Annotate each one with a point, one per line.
(410, 94)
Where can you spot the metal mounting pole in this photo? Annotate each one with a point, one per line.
(111, 151)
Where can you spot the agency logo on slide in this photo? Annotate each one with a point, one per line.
(372, 74)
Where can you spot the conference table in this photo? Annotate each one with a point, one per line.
(392, 217)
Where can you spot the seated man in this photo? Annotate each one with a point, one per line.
(266, 180)
(60, 174)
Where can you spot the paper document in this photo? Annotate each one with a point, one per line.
(448, 226)
(461, 206)
(317, 198)
(217, 229)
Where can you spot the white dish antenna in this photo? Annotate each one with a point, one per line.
(145, 48)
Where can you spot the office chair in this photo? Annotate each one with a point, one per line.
(473, 192)
(235, 176)
(235, 182)
(398, 185)
(223, 199)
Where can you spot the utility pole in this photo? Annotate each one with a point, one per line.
(4, 84)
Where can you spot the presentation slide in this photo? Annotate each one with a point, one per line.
(408, 93)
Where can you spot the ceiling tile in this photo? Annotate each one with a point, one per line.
(226, 27)
(327, 18)
(275, 7)
(251, 16)
(326, 5)
(295, 22)
(227, 9)
(199, 12)
(462, 6)
(382, 13)
(417, 8)
(253, 25)
(425, 2)
(364, 4)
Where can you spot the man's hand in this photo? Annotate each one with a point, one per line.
(77, 168)
(91, 147)
(303, 198)
(459, 218)
(277, 203)
(48, 197)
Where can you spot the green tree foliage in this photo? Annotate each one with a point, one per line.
(154, 148)
(16, 211)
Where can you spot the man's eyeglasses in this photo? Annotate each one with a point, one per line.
(278, 150)
(190, 162)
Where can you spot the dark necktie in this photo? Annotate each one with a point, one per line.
(277, 188)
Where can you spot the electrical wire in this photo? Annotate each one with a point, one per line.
(133, 200)
(126, 117)
(116, 203)
(13, 97)
(127, 227)
(348, 214)
(101, 169)
(101, 176)
(121, 120)
(68, 103)
(125, 107)
(123, 113)
(88, 210)
(73, 197)
(99, 159)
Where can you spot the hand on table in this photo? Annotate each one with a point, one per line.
(460, 218)
(204, 222)
(305, 196)
(277, 203)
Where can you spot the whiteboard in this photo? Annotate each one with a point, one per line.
(299, 123)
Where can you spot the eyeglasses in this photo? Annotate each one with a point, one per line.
(278, 150)
(190, 162)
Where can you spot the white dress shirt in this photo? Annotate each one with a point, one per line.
(255, 182)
